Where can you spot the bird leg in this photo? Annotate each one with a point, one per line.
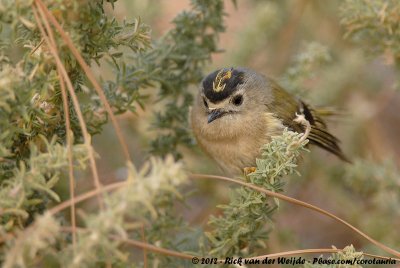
(248, 170)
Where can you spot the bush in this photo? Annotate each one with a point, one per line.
(52, 103)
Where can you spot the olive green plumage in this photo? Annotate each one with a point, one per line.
(285, 107)
(238, 110)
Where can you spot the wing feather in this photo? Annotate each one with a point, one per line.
(285, 106)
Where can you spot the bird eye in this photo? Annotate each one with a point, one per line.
(205, 102)
(237, 100)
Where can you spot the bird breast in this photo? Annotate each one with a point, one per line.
(241, 148)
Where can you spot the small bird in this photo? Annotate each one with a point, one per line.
(237, 110)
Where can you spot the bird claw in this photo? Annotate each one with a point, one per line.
(300, 118)
(248, 170)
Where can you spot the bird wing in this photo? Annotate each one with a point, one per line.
(285, 106)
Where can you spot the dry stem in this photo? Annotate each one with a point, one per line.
(85, 133)
(89, 75)
(303, 204)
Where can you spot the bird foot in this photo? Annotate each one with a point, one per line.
(248, 170)
(300, 118)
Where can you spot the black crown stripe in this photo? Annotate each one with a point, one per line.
(230, 85)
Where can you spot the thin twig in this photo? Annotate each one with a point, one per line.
(113, 186)
(139, 244)
(70, 160)
(142, 233)
(117, 185)
(36, 47)
(300, 203)
(67, 127)
(90, 76)
(87, 195)
(154, 248)
(168, 252)
(75, 102)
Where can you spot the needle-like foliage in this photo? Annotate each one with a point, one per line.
(159, 75)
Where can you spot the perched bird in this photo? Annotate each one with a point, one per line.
(237, 110)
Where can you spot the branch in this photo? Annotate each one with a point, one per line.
(75, 102)
(303, 204)
(67, 122)
(117, 185)
(177, 254)
(89, 75)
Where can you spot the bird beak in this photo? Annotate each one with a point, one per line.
(215, 114)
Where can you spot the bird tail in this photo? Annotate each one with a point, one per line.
(322, 138)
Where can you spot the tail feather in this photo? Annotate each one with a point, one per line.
(328, 142)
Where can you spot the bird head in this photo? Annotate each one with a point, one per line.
(229, 99)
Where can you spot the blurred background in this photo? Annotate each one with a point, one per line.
(301, 44)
